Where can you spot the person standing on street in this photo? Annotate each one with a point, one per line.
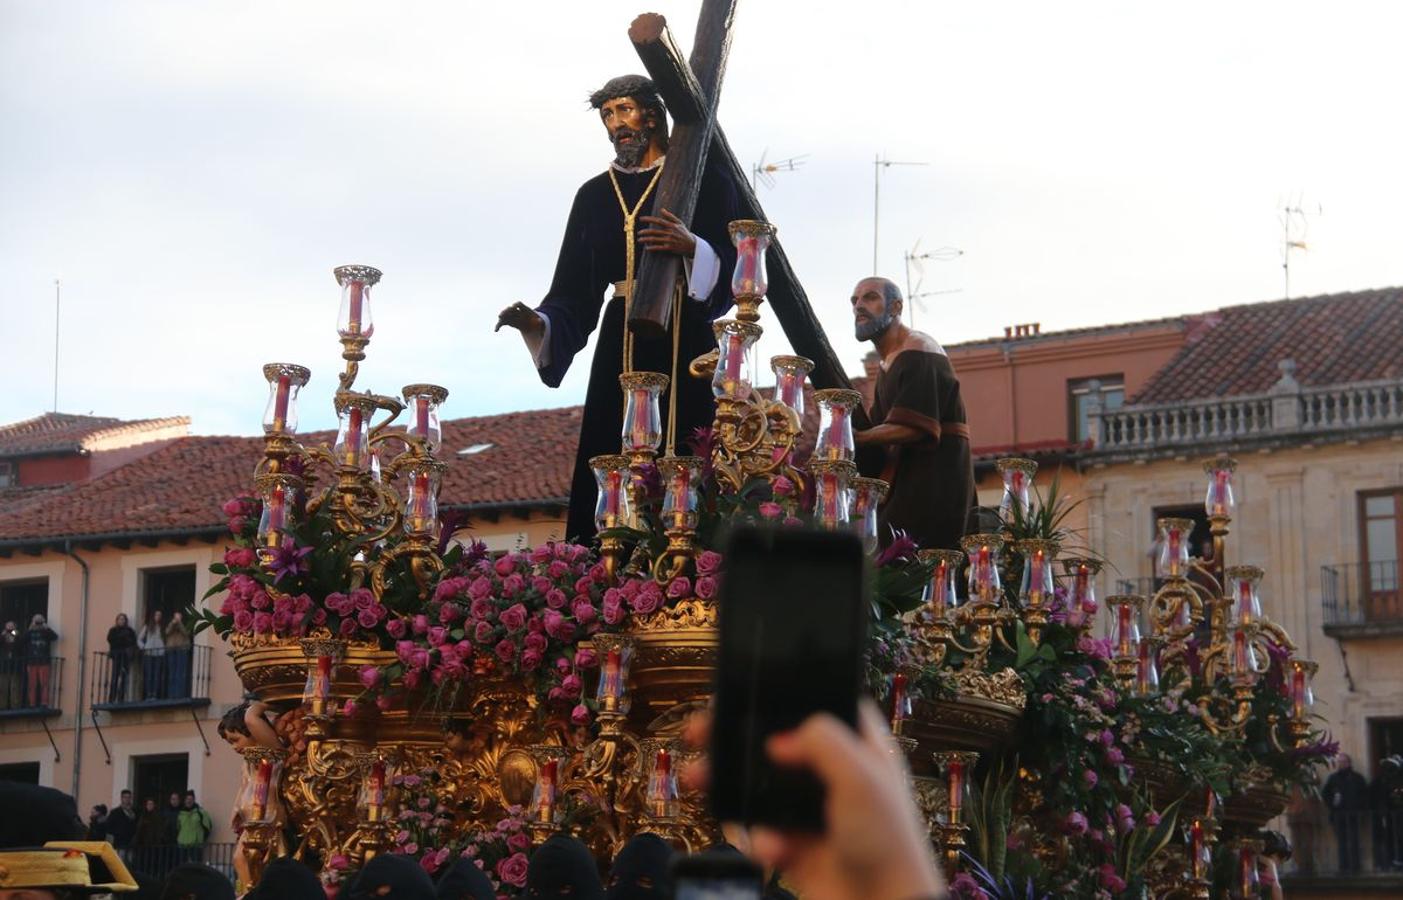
(1346, 795)
(193, 830)
(121, 824)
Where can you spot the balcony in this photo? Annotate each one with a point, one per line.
(1345, 854)
(1286, 412)
(30, 687)
(1361, 599)
(151, 679)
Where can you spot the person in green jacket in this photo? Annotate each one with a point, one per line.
(192, 829)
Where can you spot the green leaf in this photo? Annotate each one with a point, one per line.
(219, 569)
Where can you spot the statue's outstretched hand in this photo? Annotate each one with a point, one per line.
(667, 234)
(521, 317)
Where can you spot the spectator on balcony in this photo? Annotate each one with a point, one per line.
(11, 689)
(1386, 799)
(171, 813)
(149, 841)
(153, 650)
(38, 648)
(121, 649)
(121, 823)
(1346, 795)
(177, 657)
(193, 829)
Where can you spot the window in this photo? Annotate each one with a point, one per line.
(1111, 390)
(160, 776)
(24, 773)
(1381, 543)
(20, 600)
(167, 590)
(7, 475)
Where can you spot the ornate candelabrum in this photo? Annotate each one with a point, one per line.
(1081, 593)
(940, 599)
(1017, 475)
(956, 766)
(749, 282)
(1035, 594)
(261, 809)
(984, 615)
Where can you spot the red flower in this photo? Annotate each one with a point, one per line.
(512, 870)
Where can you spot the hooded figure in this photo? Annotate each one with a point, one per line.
(49, 815)
(563, 866)
(287, 879)
(465, 881)
(402, 875)
(640, 870)
(197, 881)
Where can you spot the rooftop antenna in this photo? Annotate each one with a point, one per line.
(914, 257)
(58, 295)
(764, 172)
(878, 164)
(1294, 226)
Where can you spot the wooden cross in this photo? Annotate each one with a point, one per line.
(691, 92)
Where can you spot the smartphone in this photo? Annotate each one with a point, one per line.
(792, 615)
(715, 875)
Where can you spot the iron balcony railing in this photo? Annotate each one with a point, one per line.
(1361, 594)
(151, 679)
(156, 860)
(1330, 844)
(30, 686)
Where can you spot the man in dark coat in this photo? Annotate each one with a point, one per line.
(611, 225)
(1346, 795)
(919, 439)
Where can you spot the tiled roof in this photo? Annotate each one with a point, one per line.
(1333, 339)
(180, 487)
(68, 433)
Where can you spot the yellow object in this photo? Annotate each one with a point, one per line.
(66, 864)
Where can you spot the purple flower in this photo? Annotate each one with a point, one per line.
(1075, 823)
(1090, 777)
(288, 559)
(1114, 756)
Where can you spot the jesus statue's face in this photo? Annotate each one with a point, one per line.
(631, 129)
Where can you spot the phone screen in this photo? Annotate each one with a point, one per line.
(792, 617)
(716, 875)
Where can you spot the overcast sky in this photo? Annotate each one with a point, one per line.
(192, 171)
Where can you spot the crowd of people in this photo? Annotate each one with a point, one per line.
(1361, 813)
(152, 663)
(156, 837)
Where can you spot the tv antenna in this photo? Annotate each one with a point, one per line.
(764, 172)
(878, 164)
(1294, 226)
(916, 259)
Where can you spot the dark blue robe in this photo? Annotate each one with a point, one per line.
(592, 257)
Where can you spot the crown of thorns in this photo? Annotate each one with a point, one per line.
(636, 86)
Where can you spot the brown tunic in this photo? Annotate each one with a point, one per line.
(932, 480)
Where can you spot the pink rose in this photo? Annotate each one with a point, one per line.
(542, 554)
(404, 651)
(420, 624)
(519, 842)
(348, 708)
(437, 634)
(1110, 880)
(396, 628)
(586, 658)
(709, 562)
(369, 676)
(558, 570)
(705, 587)
(505, 565)
(512, 585)
(555, 598)
(318, 616)
(481, 609)
(232, 507)
(541, 584)
(260, 600)
(483, 632)
(411, 679)
(449, 613)
(347, 627)
(463, 650)
(367, 619)
(531, 659)
(239, 557)
(771, 510)
(1090, 777)
(535, 641)
(680, 587)
(505, 650)
(362, 598)
(583, 585)
(613, 612)
(571, 684)
(580, 714)
(243, 621)
(782, 486)
(512, 870)
(584, 611)
(1114, 756)
(262, 622)
(535, 624)
(480, 589)
(1075, 823)
(514, 617)
(282, 620)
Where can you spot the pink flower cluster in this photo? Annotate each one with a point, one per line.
(358, 609)
(520, 613)
(240, 511)
(255, 611)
